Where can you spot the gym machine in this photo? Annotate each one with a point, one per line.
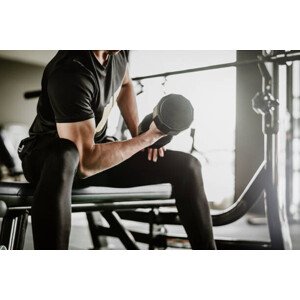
(264, 183)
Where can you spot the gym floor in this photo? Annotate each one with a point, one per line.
(81, 240)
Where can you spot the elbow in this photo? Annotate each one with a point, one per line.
(91, 164)
(84, 171)
(87, 168)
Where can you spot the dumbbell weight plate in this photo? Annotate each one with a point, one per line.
(173, 114)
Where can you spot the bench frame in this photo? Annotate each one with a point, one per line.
(14, 224)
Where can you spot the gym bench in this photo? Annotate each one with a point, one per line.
(16, 199)
(140, 204)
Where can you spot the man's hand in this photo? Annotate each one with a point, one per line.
(153, 153)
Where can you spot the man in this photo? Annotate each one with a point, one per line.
(67, 146)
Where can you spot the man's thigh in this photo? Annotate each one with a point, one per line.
(34, 161)
(137, 171)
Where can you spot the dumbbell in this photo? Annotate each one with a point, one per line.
(173, 114)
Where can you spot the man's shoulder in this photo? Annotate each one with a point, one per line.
(72, 64)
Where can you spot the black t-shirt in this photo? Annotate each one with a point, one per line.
(76, 87)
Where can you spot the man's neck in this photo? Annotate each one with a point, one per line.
(102, 56)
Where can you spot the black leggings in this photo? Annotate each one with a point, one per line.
(52, 166)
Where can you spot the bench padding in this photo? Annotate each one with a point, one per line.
(16, 194)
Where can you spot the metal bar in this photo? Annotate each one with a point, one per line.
(155, 241)
(122, 205)
(6, 228)
(20, 232)
(164, 241)
(135, 215)
(93, 230)
(87, 207)
(226, 244)
(289, 140)
(12, 234)
(251, 194)
(162, 217)
(105, 231)
(32, 94)
(122, 233)
(143, 237)
(275, 209)
(281, 58)
(152, 215)
(200, 69)
(97, 198)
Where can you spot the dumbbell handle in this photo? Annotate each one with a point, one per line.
(145, 125)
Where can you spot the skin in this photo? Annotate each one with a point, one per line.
(96, 158)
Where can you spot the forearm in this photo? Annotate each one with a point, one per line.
(128, 108)
(104, 156)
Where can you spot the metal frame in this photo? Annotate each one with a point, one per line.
(265, 181)
(13, 230)
(281, 57)
(14, 223)
(289, 169)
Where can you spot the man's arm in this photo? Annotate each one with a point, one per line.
(128, 107)
(95, 158)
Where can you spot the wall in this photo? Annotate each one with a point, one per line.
(15, 79)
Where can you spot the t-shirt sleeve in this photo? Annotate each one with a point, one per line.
(70, 95)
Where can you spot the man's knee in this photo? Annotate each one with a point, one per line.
(193, 163)
(186, 160)
(191, 166)
(184, 166)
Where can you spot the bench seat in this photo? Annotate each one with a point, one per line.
(16, 200)
(16, 194)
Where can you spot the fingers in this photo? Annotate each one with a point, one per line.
(150, 151)
(161, 152)
(154, 153)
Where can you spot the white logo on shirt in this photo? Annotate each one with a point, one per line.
(107, 110)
